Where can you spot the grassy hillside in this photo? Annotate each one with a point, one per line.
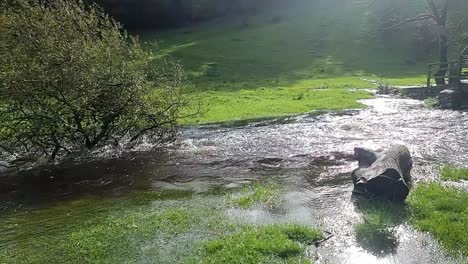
(288, 52)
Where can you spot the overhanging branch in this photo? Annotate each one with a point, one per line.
(410, 20)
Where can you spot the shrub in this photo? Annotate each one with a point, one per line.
(432, 102)
(72, 79)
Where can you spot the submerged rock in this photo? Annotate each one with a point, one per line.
(386, 174)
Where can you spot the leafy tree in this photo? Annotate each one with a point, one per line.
(72, 79)
(446, 18)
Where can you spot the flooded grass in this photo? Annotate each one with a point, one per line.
(266, 244)
(453, 173)
(168, 226)
(442, 211)
(376, 231)
(258, 193)
(112, 230)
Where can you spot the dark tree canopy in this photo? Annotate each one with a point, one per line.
(173, 13)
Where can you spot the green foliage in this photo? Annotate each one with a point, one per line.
(71, 78)
(257, 193)
(442, 211)
(453, 173)
(431, 102)
(266, 244)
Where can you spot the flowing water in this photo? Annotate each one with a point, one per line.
(310, 154)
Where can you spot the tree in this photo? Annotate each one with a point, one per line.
(439, 15)
(71, 79)
(448, 30)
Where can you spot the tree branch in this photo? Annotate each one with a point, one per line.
(434, 10)
(410, 20)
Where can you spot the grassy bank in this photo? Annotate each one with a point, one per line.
(442, 211)
(225, 106)
(256, 66)
(453, 173)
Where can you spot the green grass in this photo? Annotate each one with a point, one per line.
(443, 212)
(453, 173)
(267, 244)
(256, 71)
(258, 193)
(226, 106)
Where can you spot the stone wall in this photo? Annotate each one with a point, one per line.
(420, 92)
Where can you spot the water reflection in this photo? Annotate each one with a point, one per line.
(376, 232)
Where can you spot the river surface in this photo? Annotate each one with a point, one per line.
(311, 154)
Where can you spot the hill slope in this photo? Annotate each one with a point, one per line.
(288, 52)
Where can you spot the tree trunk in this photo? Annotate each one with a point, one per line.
(440, 17)
(386, 174)
(443, 59)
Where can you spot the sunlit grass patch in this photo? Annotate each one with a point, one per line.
(442, 211)
(225, 106)
(267, 244)
(406, 81)
(453, 173)
(258, 193)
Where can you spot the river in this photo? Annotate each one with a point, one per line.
(311, 154)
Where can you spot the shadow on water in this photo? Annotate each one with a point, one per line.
(102, 177)
(376, 232)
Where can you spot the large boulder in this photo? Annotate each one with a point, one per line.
(454, 97)
(386, 174)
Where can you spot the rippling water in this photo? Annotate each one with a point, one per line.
(312, 154)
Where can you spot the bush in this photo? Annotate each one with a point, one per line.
(72, 79)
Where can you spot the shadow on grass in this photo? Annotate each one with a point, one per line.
(376, 232)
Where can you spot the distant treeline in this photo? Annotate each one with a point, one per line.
(174, 13)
